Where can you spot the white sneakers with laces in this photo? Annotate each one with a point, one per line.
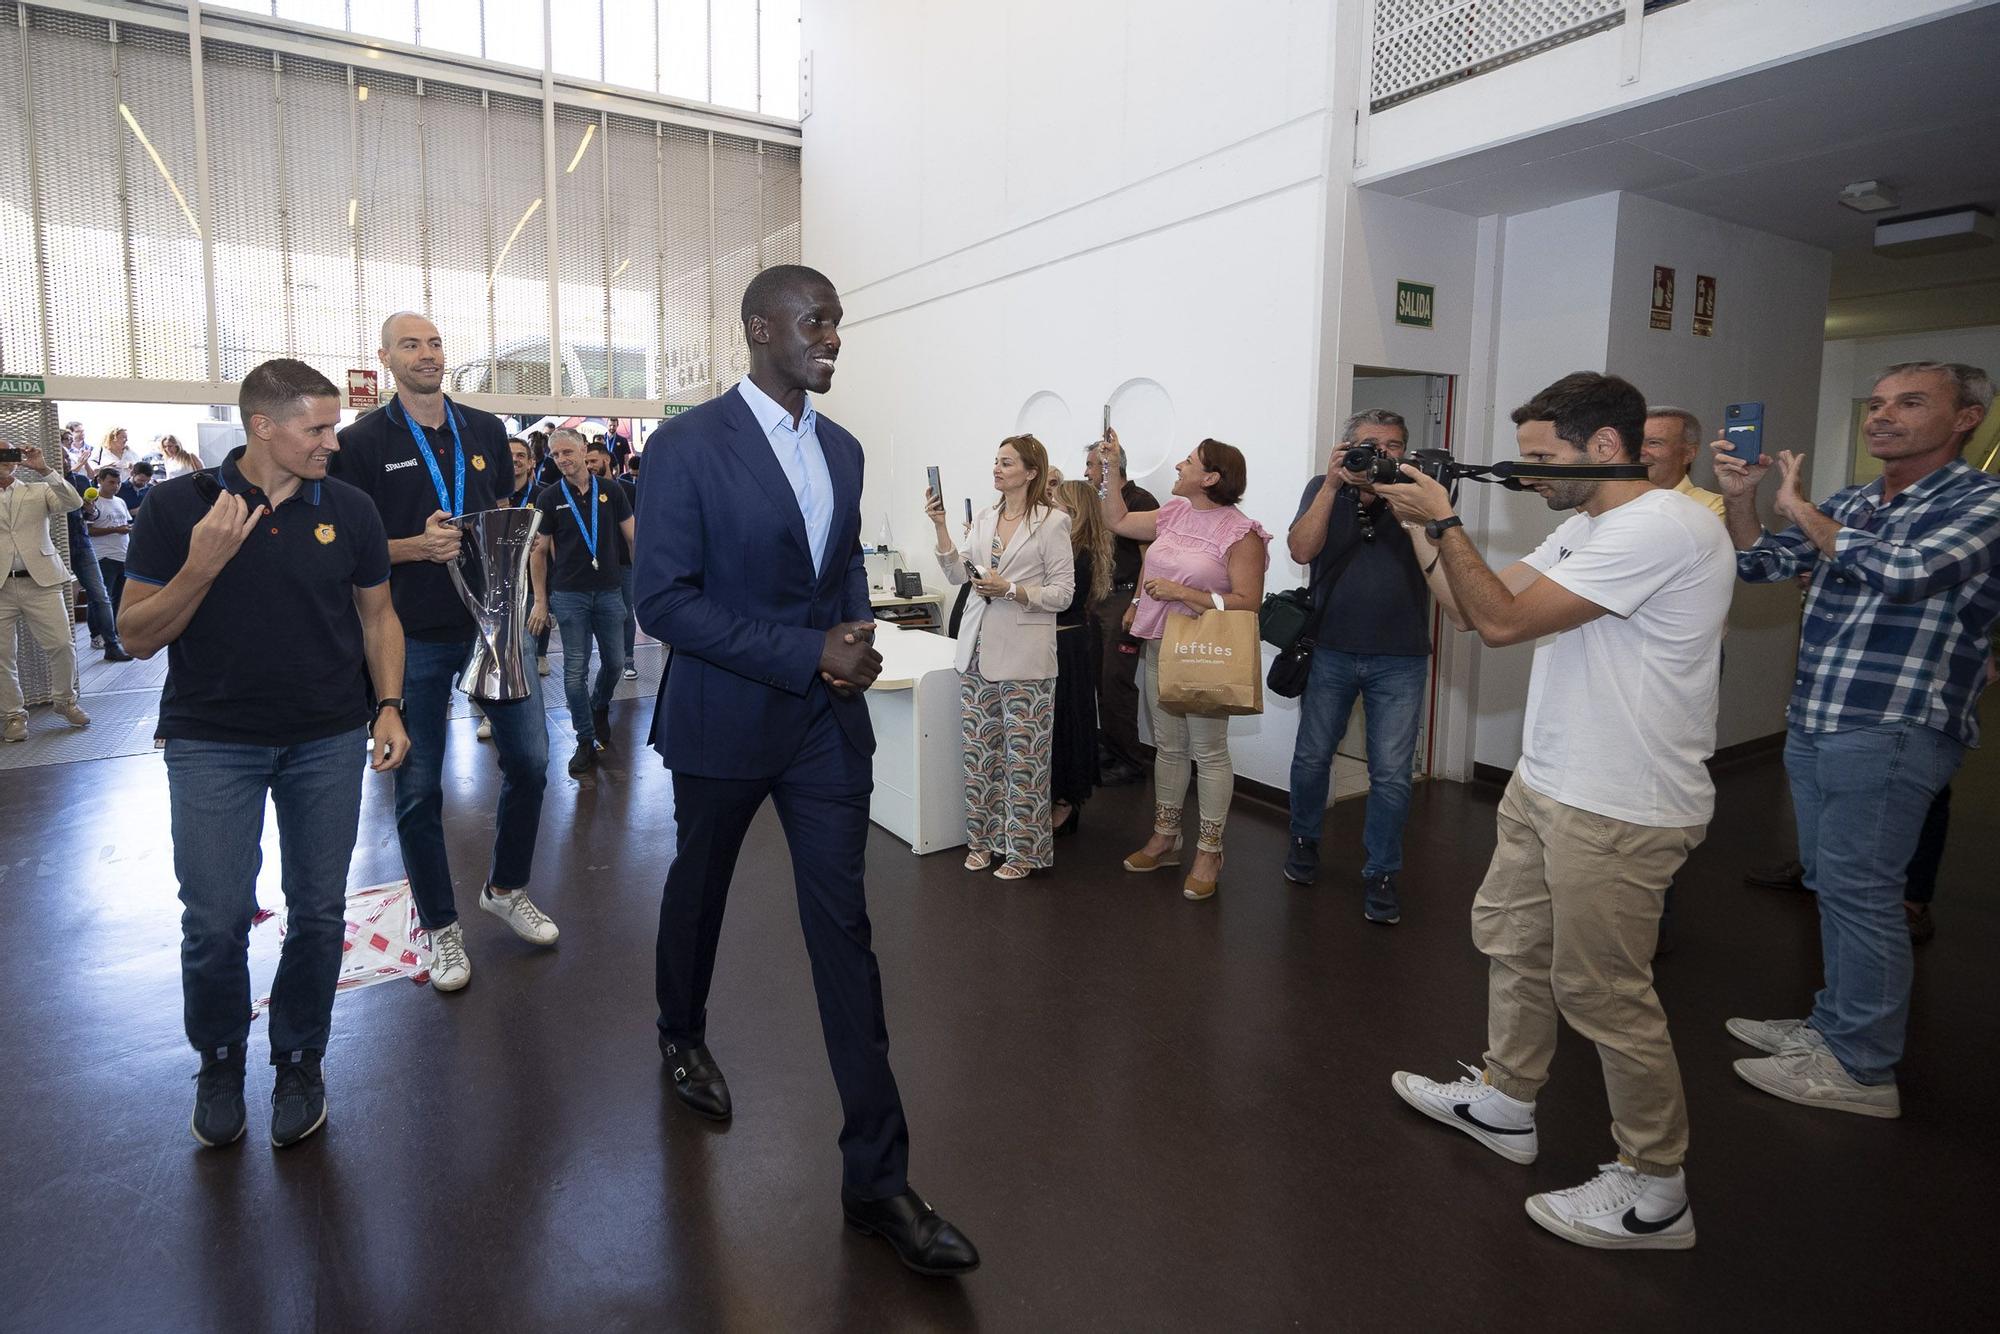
(1620, 1209)
(1774, 1035)
(450, 968)
(1503, 1124)
(518, 911)
(1812, 1076)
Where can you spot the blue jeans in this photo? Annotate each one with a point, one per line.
(98, 611)
(1391, 689)
(1860, 797)
(582, 617)
(631, 616)
(520, 735)
(216, 794)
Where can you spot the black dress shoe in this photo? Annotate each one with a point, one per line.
(698, 1080)
(923, 1240)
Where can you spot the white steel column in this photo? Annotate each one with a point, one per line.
(204, 197)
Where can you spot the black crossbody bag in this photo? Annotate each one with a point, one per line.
(1293, 608)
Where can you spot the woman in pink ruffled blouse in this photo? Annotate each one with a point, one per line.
(1205, 553)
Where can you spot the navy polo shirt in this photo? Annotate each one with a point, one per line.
(1382, 604)
(378, 453)
(569, 563)
(273, 655)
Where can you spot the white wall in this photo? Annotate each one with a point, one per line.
(1044, 201)
(1684, 48)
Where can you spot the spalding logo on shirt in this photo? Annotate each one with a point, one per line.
(405, 463)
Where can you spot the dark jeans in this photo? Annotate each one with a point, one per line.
(216, 794)
(98, 611)
(520, 735)
(1118, 685)
(114, 580)
(1923, 872)
(822, 801)
(631, 616)
(582, 617)
(1390, 687)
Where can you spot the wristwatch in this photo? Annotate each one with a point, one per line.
(1436, 528)
(392, 702)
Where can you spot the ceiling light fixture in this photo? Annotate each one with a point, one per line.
(160, 166)
(1937, 233)
(592, 129)
(1867, 197)
(495, 275)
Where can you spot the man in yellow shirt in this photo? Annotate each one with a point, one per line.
(1673, 435)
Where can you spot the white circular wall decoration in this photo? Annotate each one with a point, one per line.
(1047, 418)
(1143, 415)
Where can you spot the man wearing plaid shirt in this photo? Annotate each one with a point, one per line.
(1892, 659)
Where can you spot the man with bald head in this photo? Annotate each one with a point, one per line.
(426, 461)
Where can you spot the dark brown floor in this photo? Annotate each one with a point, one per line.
(1150, 1114)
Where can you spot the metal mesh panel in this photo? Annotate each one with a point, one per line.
(739, 235)
(20, 322)
(781, 205)
(684, 281)
(458, 234)
(319, 119)
(580, 253)
(80, 149)
(389, 190)
(1420, 44)
(633, 229)
(245, 137)
(170, 308)
(520, 292)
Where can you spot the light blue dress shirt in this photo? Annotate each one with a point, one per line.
(804, 462)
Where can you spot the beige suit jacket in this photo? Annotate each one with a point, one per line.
(1016, 640)
(26, 508)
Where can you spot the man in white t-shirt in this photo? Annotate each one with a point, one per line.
(110, 523)
(1625, 602)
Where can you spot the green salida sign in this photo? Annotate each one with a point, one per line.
(23, 386)
(1415, 303)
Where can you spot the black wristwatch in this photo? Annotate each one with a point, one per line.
(1436, 527)
(392, 702)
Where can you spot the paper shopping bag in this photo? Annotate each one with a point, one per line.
(1210, 665)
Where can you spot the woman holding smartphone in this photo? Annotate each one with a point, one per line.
(1022, 574)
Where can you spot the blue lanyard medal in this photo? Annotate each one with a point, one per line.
(590, 538)
(453, 505)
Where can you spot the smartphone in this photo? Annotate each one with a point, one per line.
(1743, 428)
(973, 571)
(937, 487)
(968, 511)
(1106, 428)
(10, 456)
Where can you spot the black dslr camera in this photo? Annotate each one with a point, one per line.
(1384, 470)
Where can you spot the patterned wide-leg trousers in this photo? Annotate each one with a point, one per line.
(1009, 732)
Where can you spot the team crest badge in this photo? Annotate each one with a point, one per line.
(324, 533)
(603, 499)
(479, 462)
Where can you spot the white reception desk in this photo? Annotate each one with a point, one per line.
(919, 740)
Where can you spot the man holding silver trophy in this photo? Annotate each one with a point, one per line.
(440, 472)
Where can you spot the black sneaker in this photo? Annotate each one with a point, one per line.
(218, 1098)
(116, 653)
(579, 763)
(1379, 901)
(298, 1099)
(1302, 866)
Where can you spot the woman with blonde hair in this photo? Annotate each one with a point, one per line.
(1205, 553)
(1079, 657)
(1022, 573)
(114, 453)
(179, 460)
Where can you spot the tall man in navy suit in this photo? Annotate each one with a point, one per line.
(748, 563)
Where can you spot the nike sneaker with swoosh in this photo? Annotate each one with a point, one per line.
(1503, 1124)
(1620, 1209)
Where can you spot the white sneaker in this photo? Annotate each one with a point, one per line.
(1503, 1124)
(519, 911)
(485, 729)
(1774, 1035)
(17, 728)
(1621, 1209)
(631, 672)
(1813, 1076)
(73, 714)
(450, 968)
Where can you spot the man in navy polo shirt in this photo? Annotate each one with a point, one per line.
(580, 559)
(268, 586)
(425, 460)
(601, 464)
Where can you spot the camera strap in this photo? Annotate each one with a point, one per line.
(1509, 472)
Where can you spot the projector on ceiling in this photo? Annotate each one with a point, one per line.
(1935, 233)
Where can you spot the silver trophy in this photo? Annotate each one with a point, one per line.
(491, 575)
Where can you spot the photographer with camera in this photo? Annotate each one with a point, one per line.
(1628, 598)
(1371, 638)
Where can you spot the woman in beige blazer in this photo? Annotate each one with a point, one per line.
(1007, 658)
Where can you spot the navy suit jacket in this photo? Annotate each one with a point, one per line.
(723, 575)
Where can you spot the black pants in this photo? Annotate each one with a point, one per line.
(822, 801)
(1118, 680)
